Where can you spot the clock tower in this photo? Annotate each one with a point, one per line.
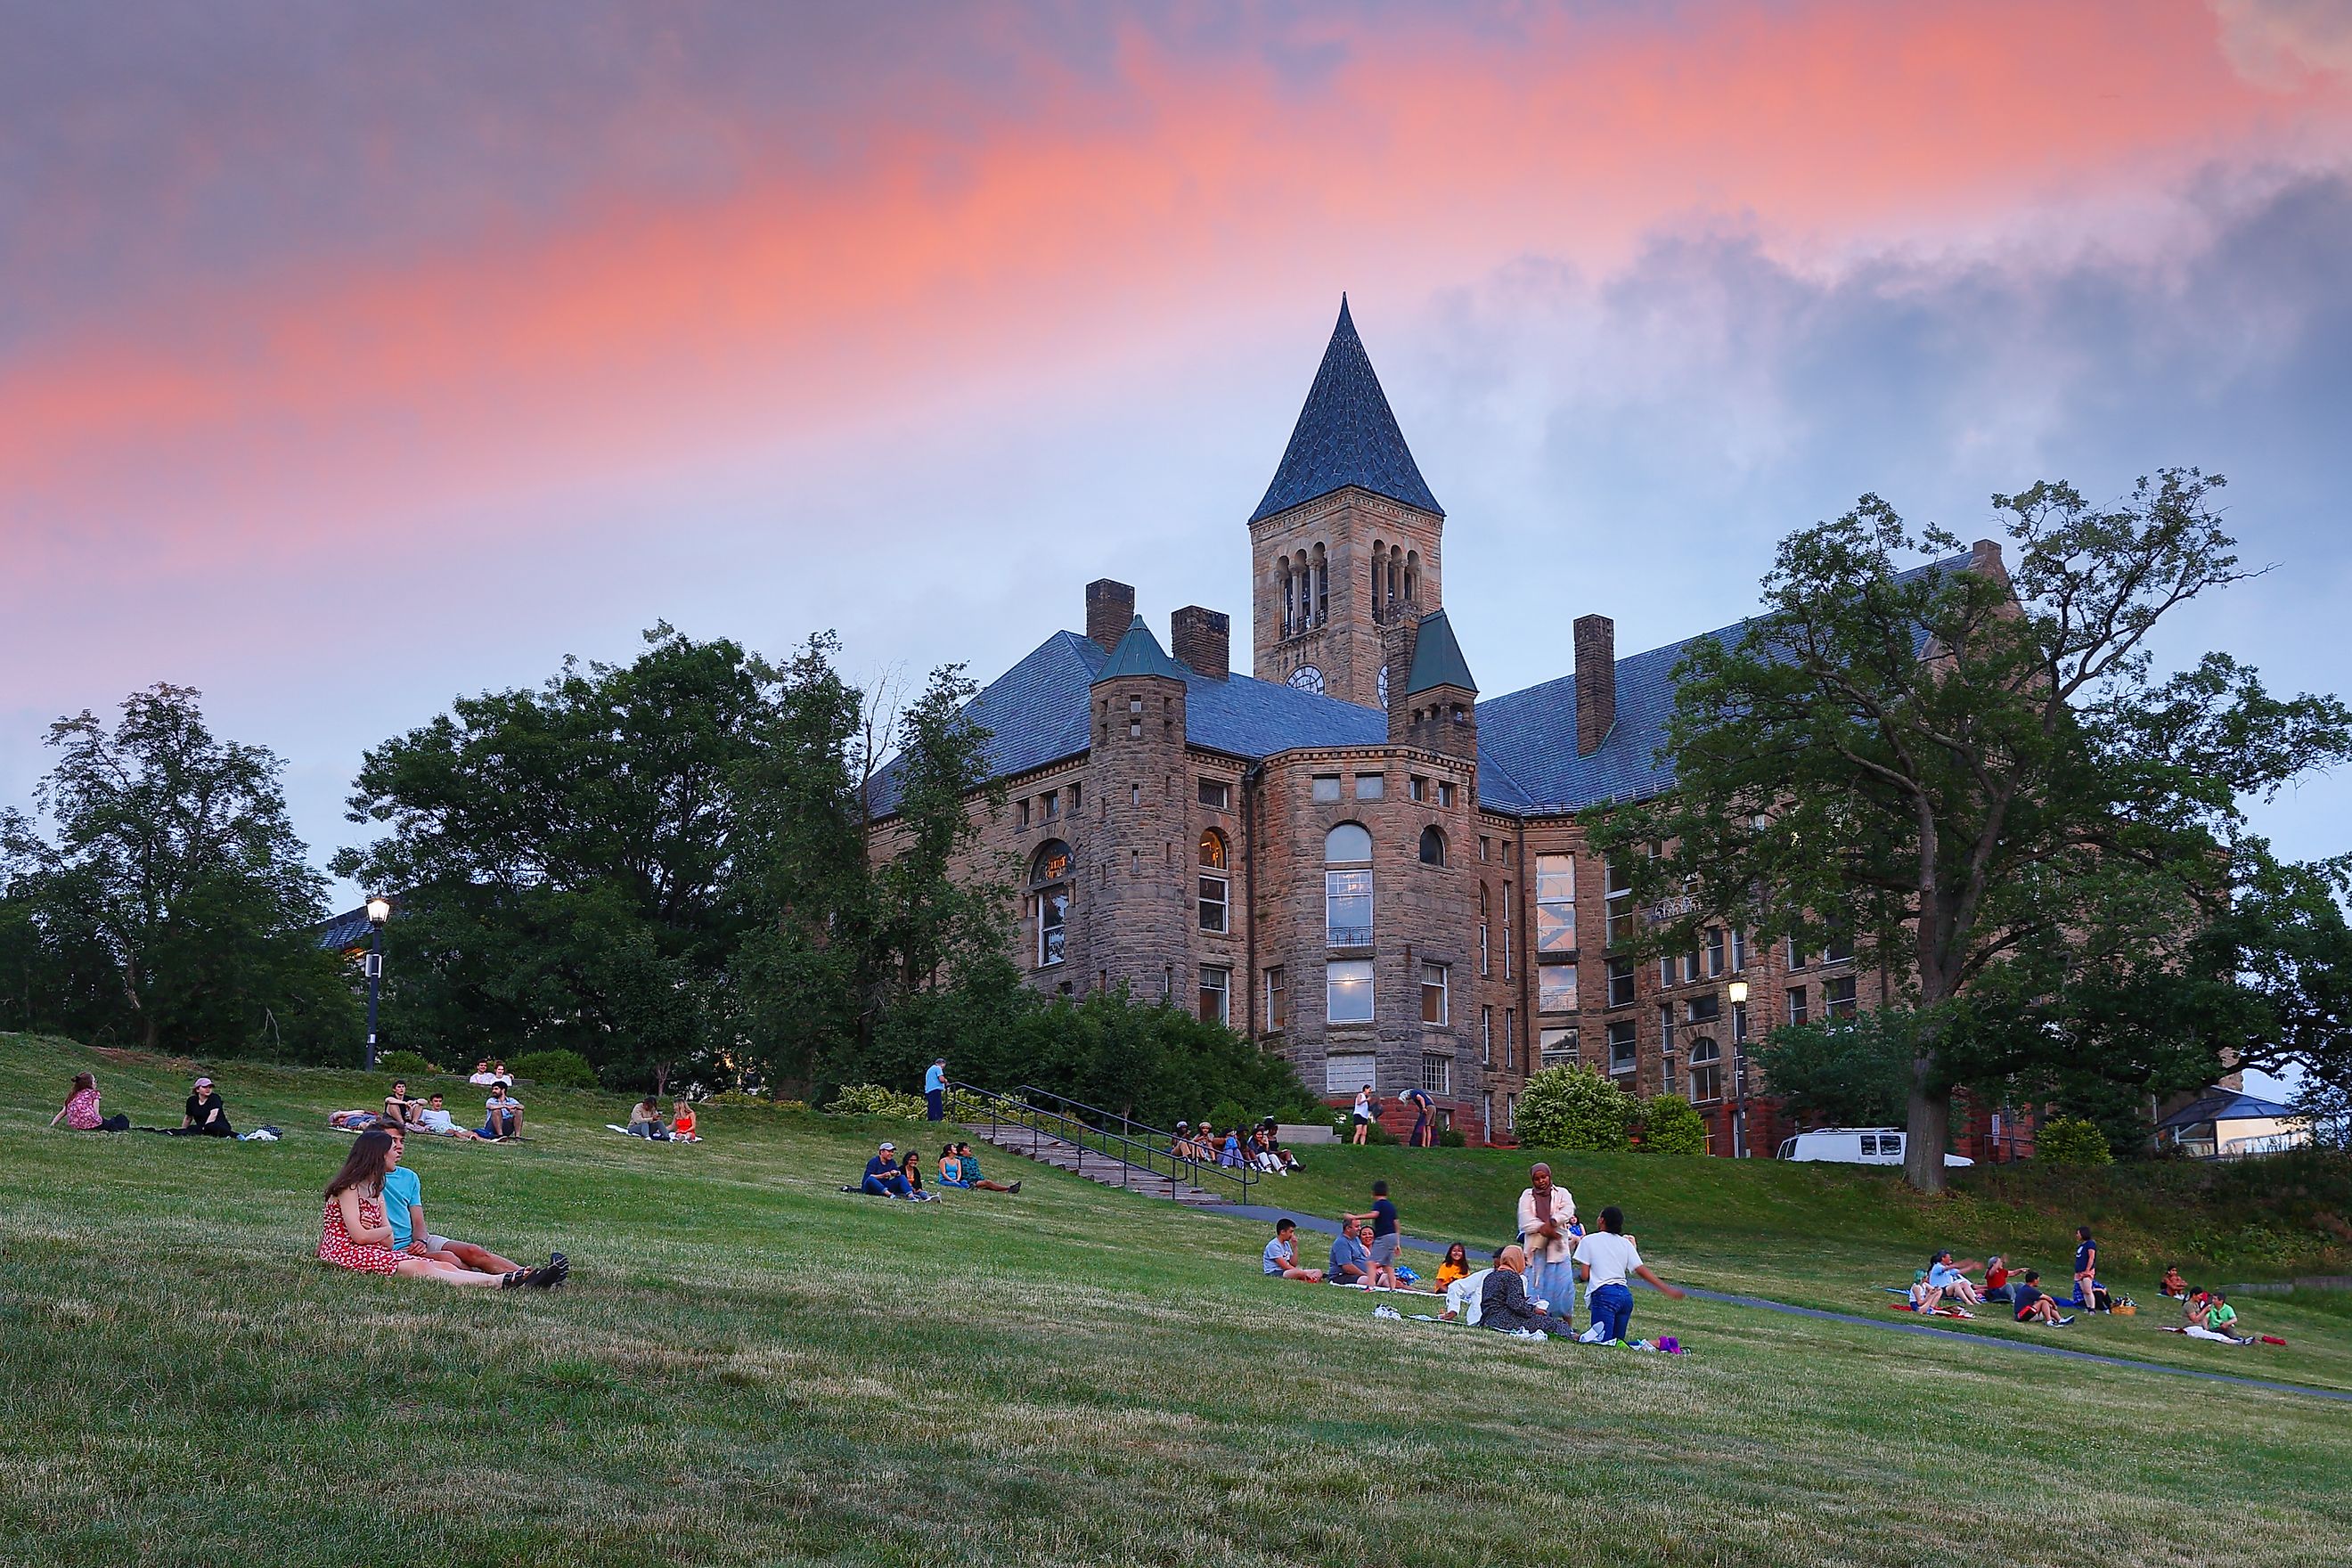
(1344, 548)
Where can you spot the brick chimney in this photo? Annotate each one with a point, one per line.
(1202, 638)
(1984, 556)
(1110, 606)
(1596, 682)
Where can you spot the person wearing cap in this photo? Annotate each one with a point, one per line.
(935, 1090)
(883, 1177)
(205, 1117)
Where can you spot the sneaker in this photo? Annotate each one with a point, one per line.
(1388, 1311)
(516, 1280)
(1016, 1186)
(547, 1276)
(2063, 1322)
(1594, 1335)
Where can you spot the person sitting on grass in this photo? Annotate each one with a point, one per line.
(404, 1210)
(2035, 1305)
(645, 1122)
(1350, 1260)
(910, 1170)
(399, 1110)
(1996, 1285)
(1229, 1155)
(951, 1167)
(883, 1175)
(355, 1234)
(2172, 1284)
(2220, 1318)
(681, 1122)
(203, 1117)
(1604, 1258)
(1280, 1259)
(1926, 1300)
(80, 1110)
(1463, 1298)
(482, 1076)
(436, 1119)
(1952, 1278)
(1456, 1266)
(967, 1166)
(1503, 1303)
(502, 1114)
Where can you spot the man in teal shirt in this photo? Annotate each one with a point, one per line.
(404, 1210)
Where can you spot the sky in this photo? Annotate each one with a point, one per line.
(355, 357)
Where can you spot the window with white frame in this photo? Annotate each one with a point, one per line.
(1739, 949)
(1216, 795)
(1348, 886)
(1348, 991)
(1135, 718)
(1838, 997)
(1446, 793)
(1705, 1072)
(1556, 1047)
(1618, 914)
(1555, 985)
(1432, 994)
(1487, 1036)
(1715, 952)
(1798, 1014)
(1620, 983)
(1215, 888)
(1483, 968)
(1555, 903)
(1623, 1053)
(1049, 875)
(1437, 1074)
(1216, 994)
(1507, 949)
(1345, 1074)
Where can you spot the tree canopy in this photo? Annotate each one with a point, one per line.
(1977, 776)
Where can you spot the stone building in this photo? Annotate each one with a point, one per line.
(1346, 853)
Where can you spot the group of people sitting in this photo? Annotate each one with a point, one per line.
(890, 1174)
(373, 1222)
(1255, 1147)
(2208, 1313)
(1944, 1289)
(204, 1116)
(645, 1122)
(430, 1114)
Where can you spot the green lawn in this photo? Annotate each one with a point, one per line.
(750, 1367)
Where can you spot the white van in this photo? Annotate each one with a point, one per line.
(1854, 1146)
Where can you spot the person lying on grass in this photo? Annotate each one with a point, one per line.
(353, 1233)
(1503, 1303)
(435, 1119)
(1280, 1258)
(1350, 1260)
(1952, 1278)
(404, 1211)
(2035, 1305)
(968, 1168)
(80, 1110)
(1604, 1258)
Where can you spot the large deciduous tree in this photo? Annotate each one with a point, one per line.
(1978, 776)
(169, 902)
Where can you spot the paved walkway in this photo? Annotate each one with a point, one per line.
(2029, 1347)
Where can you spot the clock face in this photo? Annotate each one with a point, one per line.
(1306, 678)
(1384, 686)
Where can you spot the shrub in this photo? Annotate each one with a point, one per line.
(1671, 1126)
(1451, 1138)
(1573, 1108)
(405, 1064)
(873, 1099)
(2073, 1141)
(554, 1070)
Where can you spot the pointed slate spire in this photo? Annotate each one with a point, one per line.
(1347, 434)
(1437, 658)
(1138, 653)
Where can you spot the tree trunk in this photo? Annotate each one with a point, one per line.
(1927, 1125)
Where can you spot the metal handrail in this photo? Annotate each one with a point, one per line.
(1136, 1145)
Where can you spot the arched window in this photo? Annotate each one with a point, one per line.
(1705, 1072)
(1433, 847)
(1322, 588)
(1348, 886)
(1288, 592)
(1049, 871)
(1412, 575)
(1215, 890)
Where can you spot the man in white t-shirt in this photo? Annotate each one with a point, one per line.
(1548, 1229)
(1462, 1297)
(1605, 1258)
(434, 1117)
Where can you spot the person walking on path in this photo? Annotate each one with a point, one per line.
(1548, 1229)
(935, 1090)
(1386, 1237)
(1605, 1258)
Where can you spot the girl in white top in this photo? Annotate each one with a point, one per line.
(1363, 1113)
(1604, 1258)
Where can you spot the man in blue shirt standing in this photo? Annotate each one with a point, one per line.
(935, 1090)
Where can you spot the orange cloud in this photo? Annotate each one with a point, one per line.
(267, 416)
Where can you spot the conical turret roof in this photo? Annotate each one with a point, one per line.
(1138, 653)
(1437, 658)
(1347, 434)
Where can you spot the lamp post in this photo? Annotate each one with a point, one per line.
(1738, 990)
(379, 911)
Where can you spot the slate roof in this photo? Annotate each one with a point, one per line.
(1036, 713)
(2226, 1105)
(1346, 435)
(1436, 658)
(1138, 653)
(350, 930)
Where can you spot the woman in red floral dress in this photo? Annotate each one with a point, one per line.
(353, 1235)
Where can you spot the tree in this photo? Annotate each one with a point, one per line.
(941, 903)
(1844, 1072)
(171, 904)
(1573, 1108)
(1973, 775)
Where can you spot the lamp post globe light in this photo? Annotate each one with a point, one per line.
(1738, 990)
(379, 911)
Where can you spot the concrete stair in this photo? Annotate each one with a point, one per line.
(1108, 1170)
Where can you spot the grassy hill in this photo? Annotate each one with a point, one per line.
(750, 1367)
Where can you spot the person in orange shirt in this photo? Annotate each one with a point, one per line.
(681, 1123)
